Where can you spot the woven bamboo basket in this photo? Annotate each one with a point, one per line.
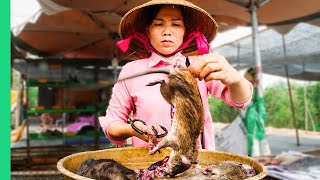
(139, 158)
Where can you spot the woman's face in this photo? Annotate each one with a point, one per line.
(167, 30)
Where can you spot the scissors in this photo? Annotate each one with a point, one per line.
(145, 133)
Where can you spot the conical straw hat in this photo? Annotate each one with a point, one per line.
(195, 18)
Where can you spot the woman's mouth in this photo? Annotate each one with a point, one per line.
(167, 42)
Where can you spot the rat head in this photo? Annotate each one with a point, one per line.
(179, 169)
(177, 164)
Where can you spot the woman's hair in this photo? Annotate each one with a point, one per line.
(152, 11)
(250, 74)
(251, 71)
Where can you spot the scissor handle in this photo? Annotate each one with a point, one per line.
(153, 129)
(160, 135)
(136, 129)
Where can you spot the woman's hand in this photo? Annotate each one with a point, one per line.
(214, 66)
(159, 131)
(144, 128)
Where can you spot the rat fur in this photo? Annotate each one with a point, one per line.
(107, 169)
(226, 170)
(182, 91)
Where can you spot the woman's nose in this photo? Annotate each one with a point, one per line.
(167, 31)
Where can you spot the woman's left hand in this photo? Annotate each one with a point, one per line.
(214, 66)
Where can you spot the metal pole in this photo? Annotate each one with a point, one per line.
(290, 94)
(292, 107)
(256, 49)
(238, 55)
(95, 115)
(19, 102)
(306, 125)
(115, 69)
(27, 121)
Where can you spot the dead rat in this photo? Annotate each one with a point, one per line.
(226, 170)
(106, 169)
(182, 91)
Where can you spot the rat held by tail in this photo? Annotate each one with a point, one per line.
(182, 92)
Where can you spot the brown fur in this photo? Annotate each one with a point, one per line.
(226, 170)
(105, 169)
(182, 91)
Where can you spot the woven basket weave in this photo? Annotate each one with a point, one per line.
(139, 158)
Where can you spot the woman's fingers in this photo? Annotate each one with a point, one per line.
(213, 66)
(197, 67)
(140, 126)
(143, 128)
(208, 69)
(201, 62)
(158, 130)
(215, 76)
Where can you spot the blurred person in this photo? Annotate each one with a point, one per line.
(46, 122)
(254, 117)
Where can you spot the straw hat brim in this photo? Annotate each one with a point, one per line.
(195, 17)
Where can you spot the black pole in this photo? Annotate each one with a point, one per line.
(290, 94)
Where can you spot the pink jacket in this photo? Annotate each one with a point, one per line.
(147, 103)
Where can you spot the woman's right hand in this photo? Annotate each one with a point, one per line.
(120, 130)
(143, 128)
(159, 131)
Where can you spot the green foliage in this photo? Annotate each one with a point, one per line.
(221, 112)
(278, 106)
(277, 103)
(32, 96)
(313, 101)
(313, 98)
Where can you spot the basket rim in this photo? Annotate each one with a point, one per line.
(66, 172)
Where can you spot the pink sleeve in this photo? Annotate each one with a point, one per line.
(218, 90)
(120, 106)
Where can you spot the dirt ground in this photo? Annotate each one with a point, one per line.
(281, 131)
(283, 139)
(285, 131)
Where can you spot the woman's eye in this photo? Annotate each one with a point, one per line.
(176, 24)
(157, 24)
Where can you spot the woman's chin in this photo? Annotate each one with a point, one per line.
(166, 52)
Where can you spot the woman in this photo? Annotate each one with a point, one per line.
(162, 34)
